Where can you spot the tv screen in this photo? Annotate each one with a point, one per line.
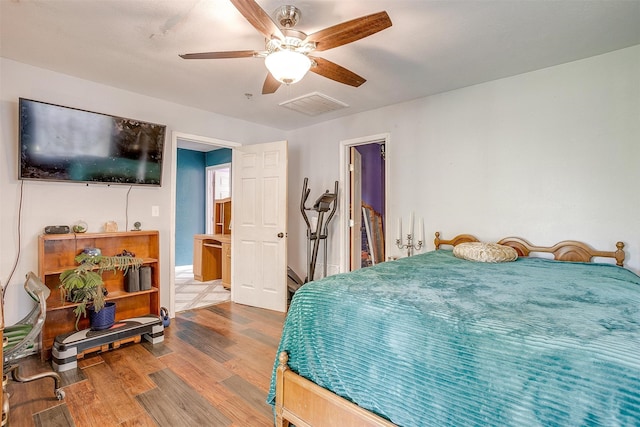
(67, 144)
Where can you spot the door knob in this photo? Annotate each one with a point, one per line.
(281, 235)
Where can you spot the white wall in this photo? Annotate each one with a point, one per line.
(64, 203)
(548, 155)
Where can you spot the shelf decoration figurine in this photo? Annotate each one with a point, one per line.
(110, 227)
(84, 284)
(79, 227)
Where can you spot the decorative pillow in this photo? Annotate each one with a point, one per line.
(485, 252)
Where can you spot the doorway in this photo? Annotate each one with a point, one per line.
(181, 238)
(364, 166)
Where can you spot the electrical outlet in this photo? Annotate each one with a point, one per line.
(155, 210)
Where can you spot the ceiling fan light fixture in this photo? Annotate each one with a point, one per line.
(287, 66)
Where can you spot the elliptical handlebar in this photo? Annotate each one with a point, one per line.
(303, 201)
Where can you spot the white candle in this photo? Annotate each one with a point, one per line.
(411, 223)
(421, 230)
(399, 229)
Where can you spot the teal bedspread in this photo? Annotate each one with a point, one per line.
(434, 340)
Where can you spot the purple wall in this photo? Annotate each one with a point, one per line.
(372, 176)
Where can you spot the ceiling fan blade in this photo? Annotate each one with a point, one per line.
(270, 85)
(350, 31)
(333, 71)
(220, 55)
(258, 18)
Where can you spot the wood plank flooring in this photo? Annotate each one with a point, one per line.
(213, 369)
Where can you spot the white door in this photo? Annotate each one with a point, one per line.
(355, 208)
(258, 230)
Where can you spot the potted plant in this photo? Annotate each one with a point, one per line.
(84, 284)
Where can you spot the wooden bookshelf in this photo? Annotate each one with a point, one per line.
(222, 216)
(57, 252)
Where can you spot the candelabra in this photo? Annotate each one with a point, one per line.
(409, 246)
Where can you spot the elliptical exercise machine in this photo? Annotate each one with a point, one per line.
(316, 232)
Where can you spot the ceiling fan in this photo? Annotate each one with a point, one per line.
(287, 55)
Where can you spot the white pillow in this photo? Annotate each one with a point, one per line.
(485, 252)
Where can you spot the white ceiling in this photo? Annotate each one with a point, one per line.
(432, 47)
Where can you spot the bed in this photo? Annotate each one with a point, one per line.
(435, 340)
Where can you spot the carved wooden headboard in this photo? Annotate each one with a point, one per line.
(567, 250)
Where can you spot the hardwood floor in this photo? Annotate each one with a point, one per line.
(213, 369)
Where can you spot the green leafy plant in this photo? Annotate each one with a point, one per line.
(84, 284)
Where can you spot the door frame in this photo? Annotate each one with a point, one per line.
(345, 146)
(204, 140)
(355, 195)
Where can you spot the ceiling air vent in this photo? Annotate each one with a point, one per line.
(313, 104)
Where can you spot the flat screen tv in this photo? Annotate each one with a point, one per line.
(68, 144)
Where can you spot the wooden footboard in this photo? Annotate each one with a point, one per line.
(306, 404)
